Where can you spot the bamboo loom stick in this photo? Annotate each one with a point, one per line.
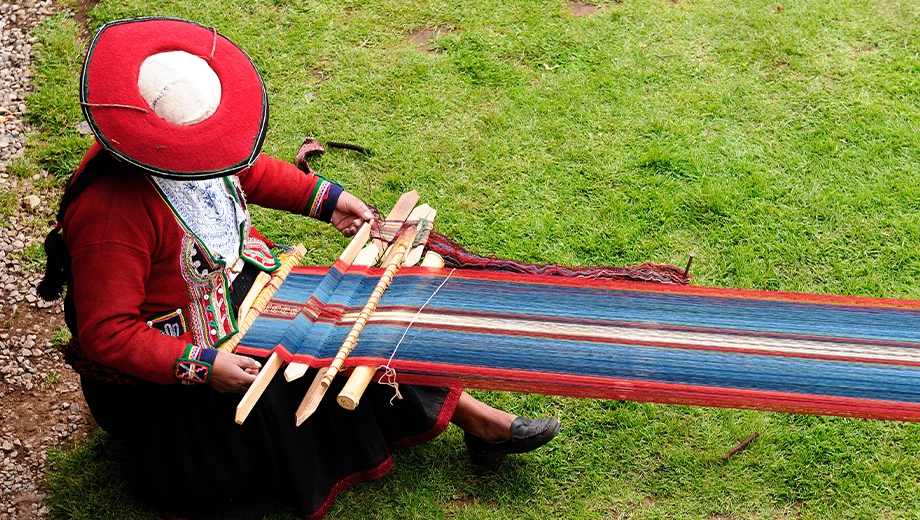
(367, 256)
(401, 248)
(432, 259)
(361, 376)
(357, 254)
(265, 293)
(274, 362)
(297, 370)
(258, 284)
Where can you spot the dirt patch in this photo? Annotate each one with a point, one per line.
(41, 406)
(580, 9)
(464, 502)
(424, 38)
(81, 14)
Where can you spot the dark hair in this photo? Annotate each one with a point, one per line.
(57, 265)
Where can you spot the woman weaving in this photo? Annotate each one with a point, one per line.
(155, 246)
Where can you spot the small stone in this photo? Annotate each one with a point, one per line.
(31, 202)
(83, 128)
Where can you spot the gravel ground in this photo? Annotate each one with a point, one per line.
(41, 406)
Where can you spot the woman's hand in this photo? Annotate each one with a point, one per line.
(349, 214)
(233, 373)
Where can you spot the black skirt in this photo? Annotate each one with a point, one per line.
(193, 460)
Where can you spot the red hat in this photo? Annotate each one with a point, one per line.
(174, 98)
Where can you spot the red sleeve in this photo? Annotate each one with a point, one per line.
(280, 185)
(112, 238)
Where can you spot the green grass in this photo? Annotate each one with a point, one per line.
(54, 111)
(8, 203)
(782, 146)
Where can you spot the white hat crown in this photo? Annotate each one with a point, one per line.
(179, 87)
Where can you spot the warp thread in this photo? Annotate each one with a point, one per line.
(456, 256)
(389, 373)
(389, 230)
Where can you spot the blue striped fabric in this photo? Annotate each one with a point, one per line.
(650, 342)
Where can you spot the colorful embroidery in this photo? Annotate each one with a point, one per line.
(210, 210)
(210, 316)
(197, 265)
(191, 369)
(256, 252)
(170, 324)
(212, 319)
(319, 195)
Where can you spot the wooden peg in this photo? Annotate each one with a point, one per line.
(312, 399)
(354, 388)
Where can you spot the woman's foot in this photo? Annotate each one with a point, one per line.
(492, 433)
(526, 435)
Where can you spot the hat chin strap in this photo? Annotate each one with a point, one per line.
(180, 88)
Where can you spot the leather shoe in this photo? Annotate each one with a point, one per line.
(526, 435)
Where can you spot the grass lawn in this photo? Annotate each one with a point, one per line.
(780, 143)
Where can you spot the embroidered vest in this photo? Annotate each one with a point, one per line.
(210, 314)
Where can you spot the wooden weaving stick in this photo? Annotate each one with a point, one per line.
(361, 376)
(359, 256)
(274, 361)
(402, 246)
(264, 295)
(355, 254)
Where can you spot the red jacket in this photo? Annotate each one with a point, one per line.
(132, 262)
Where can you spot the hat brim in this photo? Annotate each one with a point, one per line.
(226, 142)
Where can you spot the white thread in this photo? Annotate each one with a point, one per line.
(213, 45)
(389, 373)
(114, 105)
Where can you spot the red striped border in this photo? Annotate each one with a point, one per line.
(592, 387)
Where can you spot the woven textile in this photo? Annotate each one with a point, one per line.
(635, 341)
